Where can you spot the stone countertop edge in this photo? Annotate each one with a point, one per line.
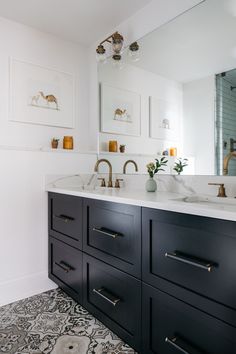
(157, 200)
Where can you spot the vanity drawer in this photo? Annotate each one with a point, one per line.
(65, 267)
(112, 233)
(197, 253)
(170, 324)
(65, 218)
(114, 298)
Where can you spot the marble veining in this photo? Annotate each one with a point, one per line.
(52, 322)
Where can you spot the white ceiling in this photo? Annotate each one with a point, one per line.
(81, 21)
(197, 44)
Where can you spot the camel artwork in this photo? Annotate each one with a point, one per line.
(122, 115)
(44, 101)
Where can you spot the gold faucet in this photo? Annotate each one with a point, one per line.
(127, 162)
(110, 170)
(221, 191)
(227, 158)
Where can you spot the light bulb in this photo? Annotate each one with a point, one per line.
(134, 52)
(101, 54)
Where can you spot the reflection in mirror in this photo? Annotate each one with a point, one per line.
(181, 93)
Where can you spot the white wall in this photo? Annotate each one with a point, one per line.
(22, 42)
(23, 207)
(23, 217)
(199, 123)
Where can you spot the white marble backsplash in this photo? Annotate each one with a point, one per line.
(186, 185)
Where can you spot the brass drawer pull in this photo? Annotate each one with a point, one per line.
(64, 266)
(180, 257)
(107, 296)
(107, 232)
(173, 343)
(64, 218)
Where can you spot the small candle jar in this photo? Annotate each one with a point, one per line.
(68, 142)
(122, 148)
(173, 151)
(113, 146)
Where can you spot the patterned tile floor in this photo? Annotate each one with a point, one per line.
(54, 323)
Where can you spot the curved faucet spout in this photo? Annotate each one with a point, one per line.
(110, 169)
(127, 162)
(227, 158)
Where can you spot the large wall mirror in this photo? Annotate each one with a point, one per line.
(181, 92)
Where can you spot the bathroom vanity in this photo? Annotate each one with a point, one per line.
(162, 280)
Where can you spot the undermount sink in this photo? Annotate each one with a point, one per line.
(207, 200)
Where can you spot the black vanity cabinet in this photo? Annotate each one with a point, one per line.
(164, 282)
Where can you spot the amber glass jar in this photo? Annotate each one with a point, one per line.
(68, 142)
(113, 146)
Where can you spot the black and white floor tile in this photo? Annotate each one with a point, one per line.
(54, 323)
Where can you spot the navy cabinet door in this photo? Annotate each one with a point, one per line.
(196, 253)
(114, 297)
(112, 233)
(65, 267)
(170, 326)
(65, 218)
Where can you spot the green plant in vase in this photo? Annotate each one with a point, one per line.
(180, 164)
(152, 169)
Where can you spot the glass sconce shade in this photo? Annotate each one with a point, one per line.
(101, 54)
(117, 42)
(134, 51)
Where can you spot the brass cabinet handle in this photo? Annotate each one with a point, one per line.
(64, 266)
(172, 342)
(180, 257)
(64, 218)
(104, 231)
(106, 296)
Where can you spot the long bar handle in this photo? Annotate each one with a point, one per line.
(106, 296)
(106, 232)
(64, 218)
(190, 260)
(172, 342)
(64, 266)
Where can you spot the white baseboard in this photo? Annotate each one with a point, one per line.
(21, 288)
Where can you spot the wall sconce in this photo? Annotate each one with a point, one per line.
(116, 40)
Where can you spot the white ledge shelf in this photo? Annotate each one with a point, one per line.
(135, 154)
(44, 149)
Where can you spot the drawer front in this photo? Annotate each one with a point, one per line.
(171, 326)
(114, 298)
(197, 253)
(65, 218)
(65, 267)
(112, 233)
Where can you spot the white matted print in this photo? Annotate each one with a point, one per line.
(39, 95)
(164, 119)
(120, 111)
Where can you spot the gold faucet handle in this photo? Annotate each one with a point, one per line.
(117, 182)
(221, 192)
(103, 182)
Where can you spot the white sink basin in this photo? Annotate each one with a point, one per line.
(207, 200)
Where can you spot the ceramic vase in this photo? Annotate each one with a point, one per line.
(151, 185)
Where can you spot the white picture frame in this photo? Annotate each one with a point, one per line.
(41, 95)
(164, 119)
(120, 111)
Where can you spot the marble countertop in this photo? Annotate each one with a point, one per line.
(220, 209)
